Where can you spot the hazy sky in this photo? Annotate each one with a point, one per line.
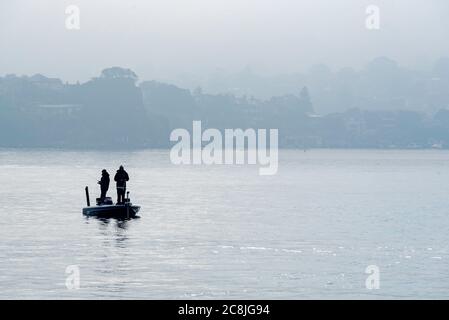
(166, 38)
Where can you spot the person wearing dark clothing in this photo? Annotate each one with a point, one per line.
(120, 178)
(104, 183)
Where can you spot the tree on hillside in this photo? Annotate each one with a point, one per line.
(305, 99)
(118, 73)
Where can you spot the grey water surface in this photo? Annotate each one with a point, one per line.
(225, 231)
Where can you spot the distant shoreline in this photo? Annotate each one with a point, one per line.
(2, 148)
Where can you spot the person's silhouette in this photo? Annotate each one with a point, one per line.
(120, 178)
(104, 184)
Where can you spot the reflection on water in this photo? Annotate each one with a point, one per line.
(224, 231)
(112, 228)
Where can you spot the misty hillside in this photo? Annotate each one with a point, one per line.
(383, 106)
(381, 85)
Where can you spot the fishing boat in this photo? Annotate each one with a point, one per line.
(105, 208)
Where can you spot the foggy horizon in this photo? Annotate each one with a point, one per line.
(173, 40)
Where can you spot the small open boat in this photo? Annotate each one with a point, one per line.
(106, 209)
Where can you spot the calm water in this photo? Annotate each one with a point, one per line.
(226, 232)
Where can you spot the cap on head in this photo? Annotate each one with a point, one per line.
(121, 167)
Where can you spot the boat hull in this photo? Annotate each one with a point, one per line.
(112, 211)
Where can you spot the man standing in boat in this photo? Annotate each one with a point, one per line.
(104, 183)
(121, 177)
